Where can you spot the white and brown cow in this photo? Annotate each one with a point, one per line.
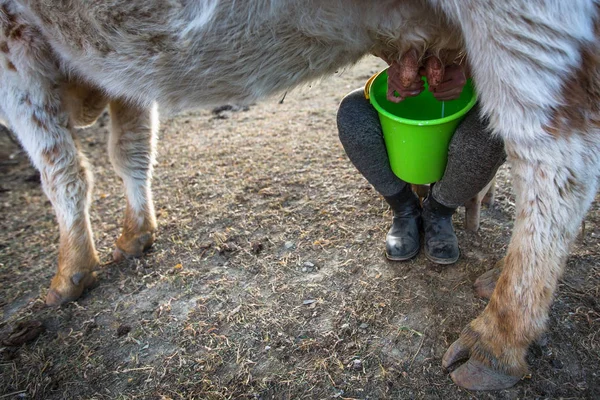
(536, 64)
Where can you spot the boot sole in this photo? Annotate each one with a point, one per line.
(442, 261)
(401, 258)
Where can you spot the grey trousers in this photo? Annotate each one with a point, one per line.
(473, 159)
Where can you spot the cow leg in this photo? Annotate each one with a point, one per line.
(84, 103)
(131, 150)
(473, 213)
(473, 206)
(490, 194)
(31, 99)
(67, 182)
(538, 80)
(553, 194)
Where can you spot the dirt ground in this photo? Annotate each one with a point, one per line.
(268, 278)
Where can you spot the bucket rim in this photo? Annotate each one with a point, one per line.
(416, 122)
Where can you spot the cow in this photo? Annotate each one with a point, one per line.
(535, 64)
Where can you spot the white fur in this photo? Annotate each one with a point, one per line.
(511, 87)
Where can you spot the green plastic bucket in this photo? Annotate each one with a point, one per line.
(418, 130)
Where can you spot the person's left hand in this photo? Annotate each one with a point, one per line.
(452, 83)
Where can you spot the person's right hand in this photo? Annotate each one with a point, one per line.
(396, 90)
(452, 84)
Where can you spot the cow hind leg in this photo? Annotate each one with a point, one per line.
(552, 199)
(537, 68)
(84, 103)
(473, 213)
(131, 150)
(473, 206)
(490, 194)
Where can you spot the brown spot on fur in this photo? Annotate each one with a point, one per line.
(51, 109)
(50, 155)
(4, 47)
(572, 186)
(503, 310)
(39, 123)
(581, 93)
(529, 22)
(10, 66)
(17, 32)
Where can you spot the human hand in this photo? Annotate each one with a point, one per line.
(452, 83)
(403, 78)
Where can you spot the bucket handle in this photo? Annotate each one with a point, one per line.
(368, 85)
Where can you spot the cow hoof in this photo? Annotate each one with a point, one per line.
(484, 285)
(132, 247)
(118, 255)
(63, 290)
(474, 375)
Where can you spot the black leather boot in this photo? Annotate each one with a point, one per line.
(403, 239)
(441, 244)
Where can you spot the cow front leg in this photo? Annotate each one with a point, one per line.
(553, 191)
(31, 99)
(131, 150)
(43, 129)
(77, 257)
